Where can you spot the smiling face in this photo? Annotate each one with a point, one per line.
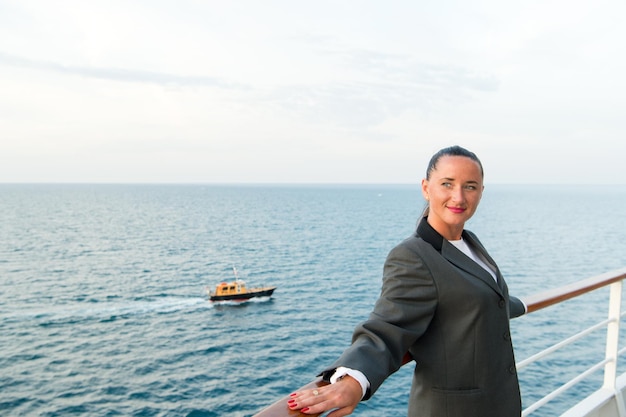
(453, 191)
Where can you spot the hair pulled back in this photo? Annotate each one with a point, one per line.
(452, 151)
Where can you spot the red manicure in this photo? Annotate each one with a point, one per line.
(305, 409)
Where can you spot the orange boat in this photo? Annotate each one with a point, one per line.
(237, 291)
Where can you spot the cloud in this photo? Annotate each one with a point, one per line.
(119, 74)
(405, 70)
(378, 86)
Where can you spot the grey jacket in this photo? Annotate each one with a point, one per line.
(453, 319)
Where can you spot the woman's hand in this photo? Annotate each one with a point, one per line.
(344, 395)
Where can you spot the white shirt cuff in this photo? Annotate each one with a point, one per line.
(358, 375)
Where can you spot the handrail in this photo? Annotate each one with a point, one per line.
(554, 296)
(280, 409)
(533, 303)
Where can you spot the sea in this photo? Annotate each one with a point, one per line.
(104, 309)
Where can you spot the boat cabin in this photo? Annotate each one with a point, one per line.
(231, 288)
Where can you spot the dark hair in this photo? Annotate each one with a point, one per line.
(452, 151)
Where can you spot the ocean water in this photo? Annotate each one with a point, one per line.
(103, 309)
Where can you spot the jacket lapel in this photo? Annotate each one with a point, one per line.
(458, 258)
(461, 261)
(473, 241)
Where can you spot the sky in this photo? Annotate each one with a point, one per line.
(153, 91)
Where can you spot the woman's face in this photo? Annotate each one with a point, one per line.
(453, 193)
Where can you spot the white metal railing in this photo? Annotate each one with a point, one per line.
(612, 325)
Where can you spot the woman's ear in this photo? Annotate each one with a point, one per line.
(425, 189)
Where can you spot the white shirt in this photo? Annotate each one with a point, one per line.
(478, 258)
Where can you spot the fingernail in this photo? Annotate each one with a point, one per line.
(293, 405)
(293, 395)
(305, 409)
(290, 401)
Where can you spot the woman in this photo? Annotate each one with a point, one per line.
(443, 301)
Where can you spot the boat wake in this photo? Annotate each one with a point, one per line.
(103, 311)
(242, 302)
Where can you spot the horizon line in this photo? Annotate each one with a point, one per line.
(251, 183)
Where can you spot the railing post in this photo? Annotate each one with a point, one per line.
(612, 335)
(612, 345)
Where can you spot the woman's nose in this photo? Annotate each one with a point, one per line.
(458, 196)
